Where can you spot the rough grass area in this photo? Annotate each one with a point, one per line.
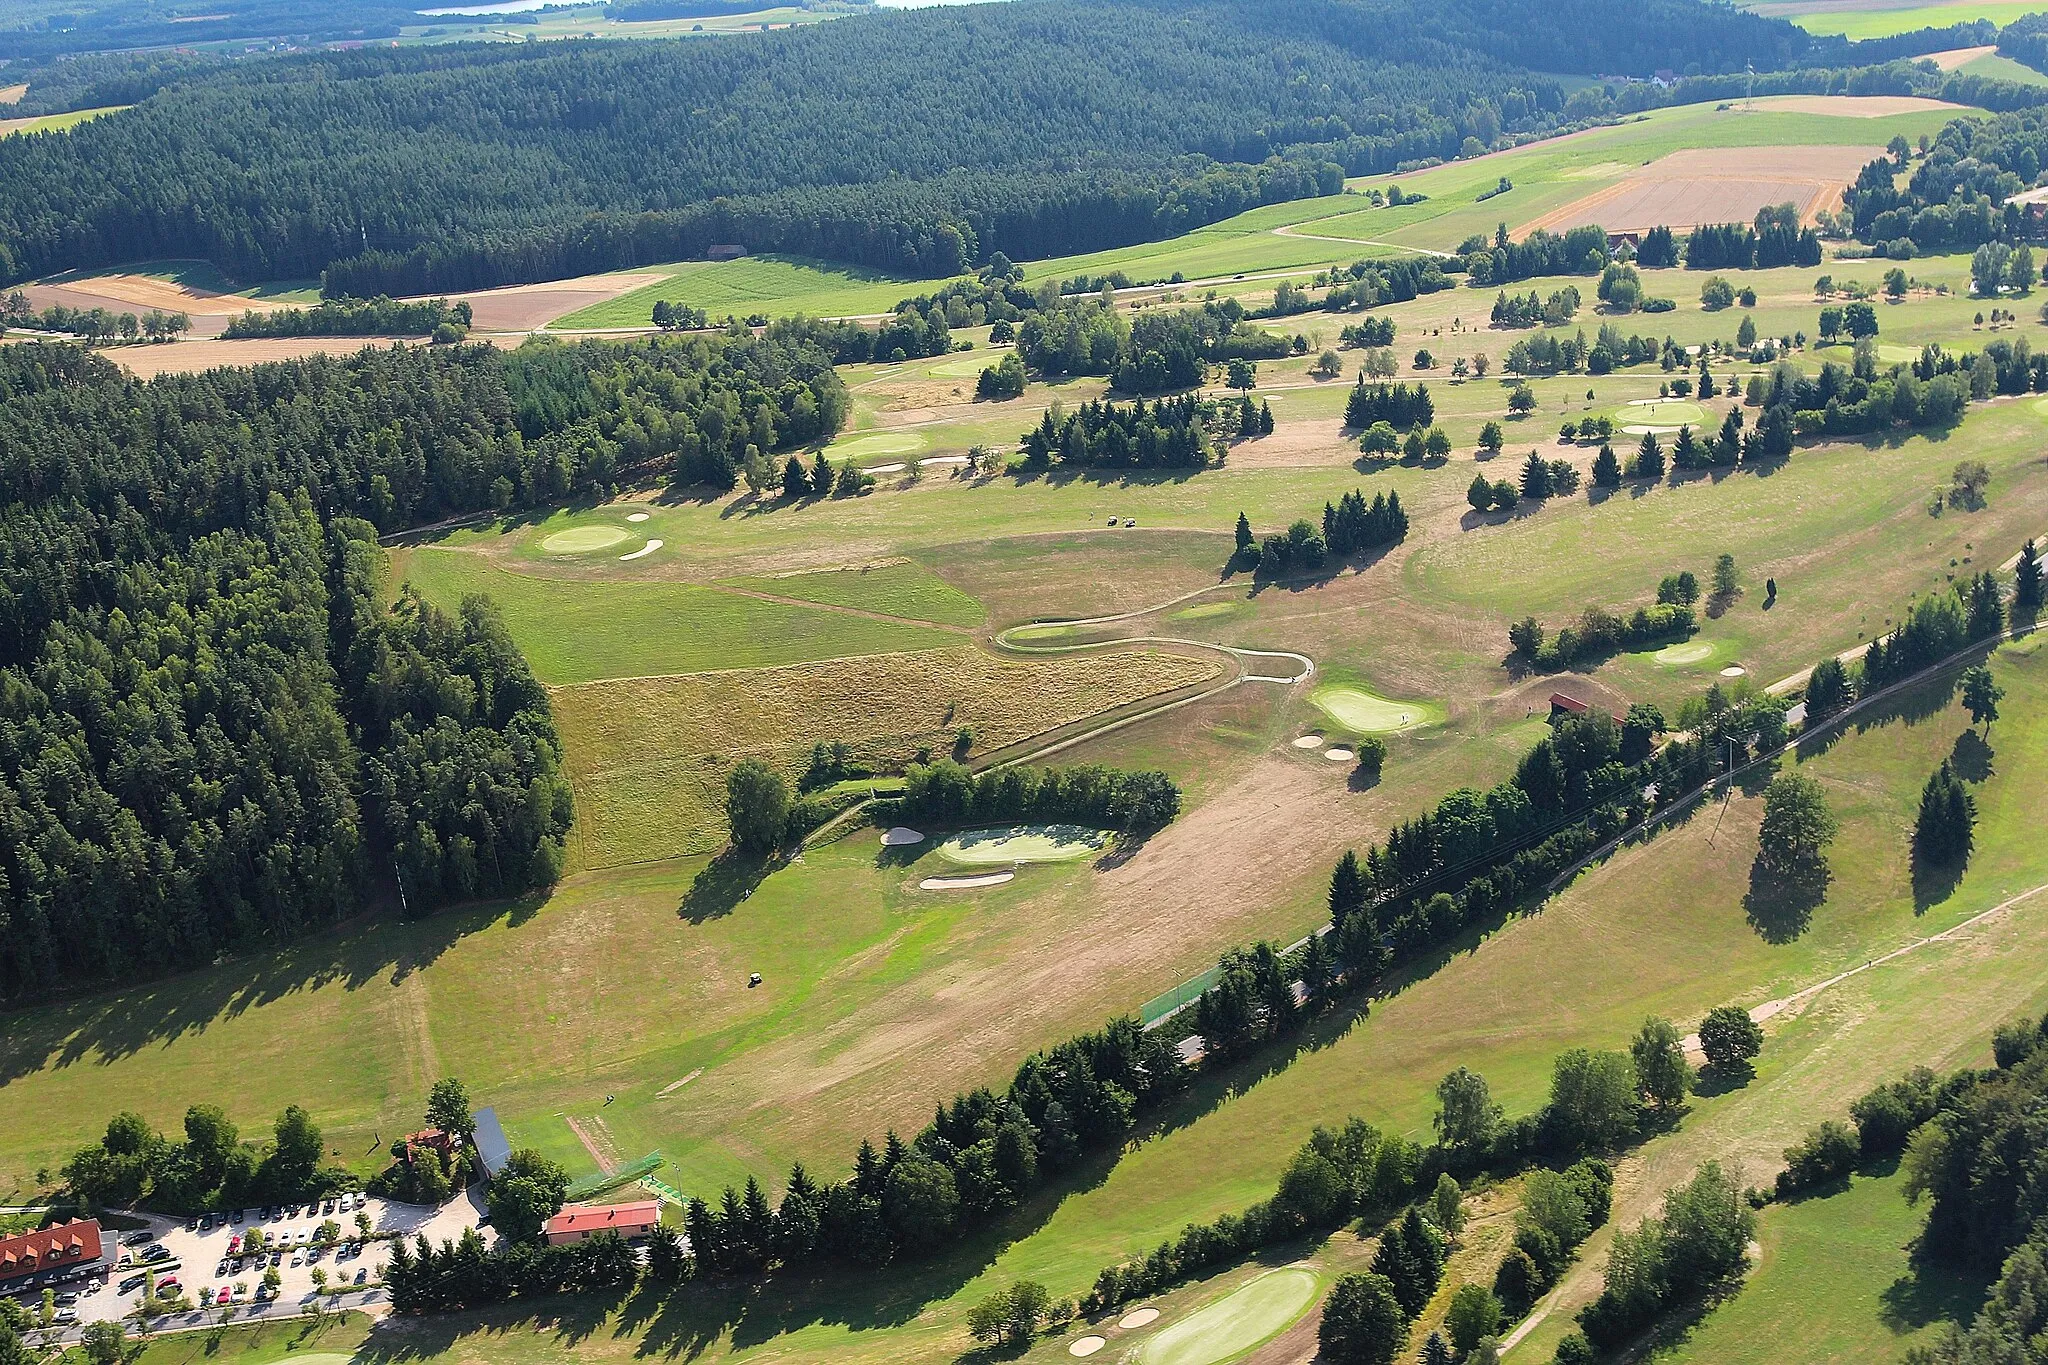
(1837, 1284)
(579, 631)
(649, 756)
(902, 588)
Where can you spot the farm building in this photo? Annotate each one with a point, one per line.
(581, 1222)
(729, 251)
(65, 1247)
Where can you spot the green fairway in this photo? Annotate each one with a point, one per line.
(966, 367)
(1884, 20)
(875, 446)
(583, 539)
(905, 589)
(776, 285)
(1236, 1323)
(576, 631)
(1023, 844)
(1356, 709)
(1837, 1285)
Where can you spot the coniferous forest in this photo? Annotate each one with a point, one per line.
(216, 727)
(887, 140)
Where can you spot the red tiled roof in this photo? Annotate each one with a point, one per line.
(1571, 704)
(640, 1213)
(76, 1243)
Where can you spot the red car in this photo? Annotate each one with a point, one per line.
(223, 1296)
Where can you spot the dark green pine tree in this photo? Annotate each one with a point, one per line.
(2026, 593)
(1436, 1351)
(1244, 533)
(1606, 468)
(1944, 832)
(1265, 418)
(1535, 477)
(1347, 888)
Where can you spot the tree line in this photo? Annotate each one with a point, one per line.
(380, 316)
(1170, 433)
(1774, 239)
(946, 793)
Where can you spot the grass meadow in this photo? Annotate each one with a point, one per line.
(1882, 21)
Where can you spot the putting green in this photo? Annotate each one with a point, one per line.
(583, 539)
(1689, 652)
(1897, 355)
(1360, 711)
(876, 445)
(1209, 611)
(1023, 844)
(967, 366)
(1234, 1324)
(1659, 412)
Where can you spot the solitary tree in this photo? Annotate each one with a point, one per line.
(1727, 580)
(2026, 592)
(756, 805)
(526, 1193)
(1797, 826)
(1981, 695)
(1242, 375)
(1730, 1038)
(1945, 830)
(1663, 1076)
(448, 1109)
(1467, 1116)
(1244, 533)
(1491, 437)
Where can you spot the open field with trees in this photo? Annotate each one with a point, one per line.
(797, 760)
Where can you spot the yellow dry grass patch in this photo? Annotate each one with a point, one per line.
(1710, 185)
(649, 756)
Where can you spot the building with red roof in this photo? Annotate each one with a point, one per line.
(65, 1246)
(581, 1222)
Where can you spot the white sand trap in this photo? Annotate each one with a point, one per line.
(886, 468)
(1733, 671)
(583, 539)
(636, 516)
(645, 550)
(1339, 755)
(964, 883)
(1087, 1346)
(943, 459)
(1142, 1317)
(1309, 742)
(901, 837)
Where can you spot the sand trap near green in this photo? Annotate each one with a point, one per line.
(1689, 652)
(579, 540)
(1023, 844)
(876, 445)
(1232, 1325)
(1361, 712)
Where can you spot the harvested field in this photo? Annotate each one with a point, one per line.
(1863, 106)
(1959, 56)
(193, 356)
(12, 94)
(527, 307)
(649, 756)
(1710, 185)
(146, 291)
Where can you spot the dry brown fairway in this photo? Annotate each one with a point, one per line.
(1709, 185)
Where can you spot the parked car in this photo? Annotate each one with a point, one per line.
(241, 1290)
(298, 1258)
(362, 1274)
(67, 1315)
(276, 1258)
(167, 1283)
(328, 1207)
(235, 1245)
(136, 1239)
(206, 1222)
(133, 1283)
(191, 1225)
(223, 1296)
(238, 1214)
(66, 1299)
(156, 1252)
(222, 1268)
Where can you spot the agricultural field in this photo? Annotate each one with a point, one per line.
(1882, 18)
(55, 123)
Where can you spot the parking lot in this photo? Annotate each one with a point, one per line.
(209, 1257)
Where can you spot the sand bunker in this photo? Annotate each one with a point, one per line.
(1087, 1346)
(1309, 742)
(645, 550)
(897, 468)
(636, 516)
(1339, 755)
(1733, 671)
(1141, 1317)
(1024, 844)
(579, 540)
(901, 837)
(965, 883)
(943, 459)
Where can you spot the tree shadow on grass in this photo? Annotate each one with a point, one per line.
(726, 880)
(1972, 757)
(1914, 705)
(1779, 904)
(1932, 1291)
(1934, 883)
